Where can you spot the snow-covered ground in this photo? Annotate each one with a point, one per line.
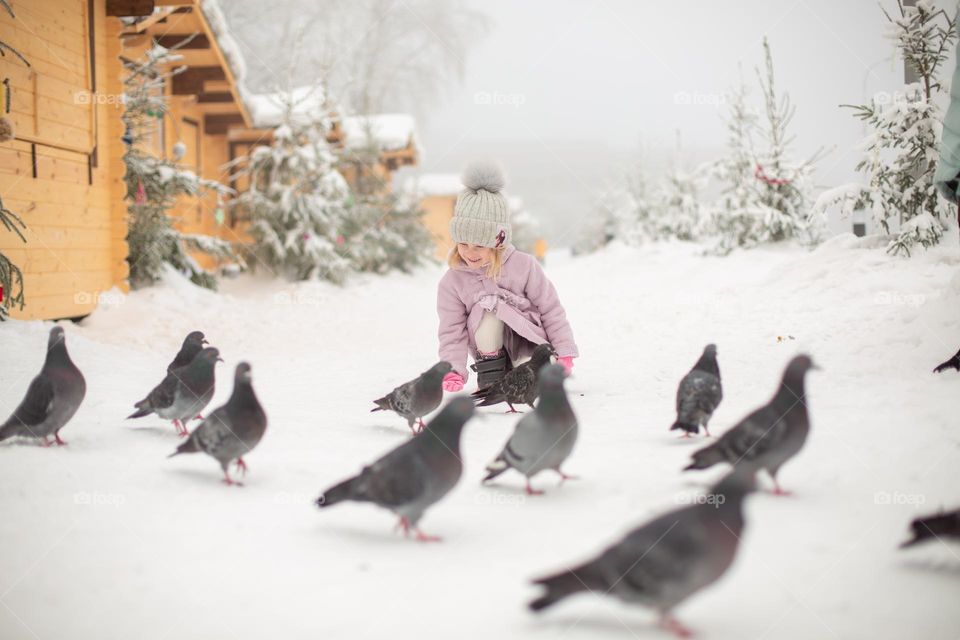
(106, 538)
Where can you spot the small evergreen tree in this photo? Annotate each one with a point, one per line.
(155, 184)
(296, 202)
(679, 212)
(901, 150)
(784, 188)
(381, 230)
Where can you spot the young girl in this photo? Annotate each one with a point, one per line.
(494, 301)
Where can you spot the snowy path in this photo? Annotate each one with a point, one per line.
(108, 539)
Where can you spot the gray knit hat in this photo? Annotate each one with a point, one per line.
(481, 216)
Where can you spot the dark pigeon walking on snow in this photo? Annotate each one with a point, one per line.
(544, 438)
(772, 434)
(952, 363)
(232, 430)
(943, 525)
(664, 562)
(518, 386)
(192, 345)
(417, 398)
(184, 392)
(699, 394)
(415, 475)
(52, 398)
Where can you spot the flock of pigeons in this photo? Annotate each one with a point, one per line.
(659, 564)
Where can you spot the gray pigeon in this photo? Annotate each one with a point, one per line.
(192, 345)
(770, 435)
(233, 430)
(544, 438)
(938, 525)
(662, 563)
(699, 394)
(52, 398)
(184, 392)
(520, 384)
(413, 476)
(415, 399)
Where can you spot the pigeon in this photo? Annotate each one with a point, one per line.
(938, 525)
(520, 384)
(232, 430)
(544, 438)
(413, 476)
(663, 562)
(699, 394)
(952, 363)
(183, 393)
(52, 398)
(192, 345)
(770, 435)
(415, 399)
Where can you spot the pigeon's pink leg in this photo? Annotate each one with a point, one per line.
(531, 491)
(403, 524)
(422, 537)
(673, 625)
(60, 441)
(777, 491)
(230, 482)
(241, 465)
(705, 432)
(686, 434)
(512, 410)
(564, 477)
(45, 442)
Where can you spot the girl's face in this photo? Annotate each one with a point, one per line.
(474, 255)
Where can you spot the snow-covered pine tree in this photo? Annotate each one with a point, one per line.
(784, 187)
(155, 183)
(381, 230)
(679, 212)
(524, 227)
(736, 219)
(295, 202)
(901, 149)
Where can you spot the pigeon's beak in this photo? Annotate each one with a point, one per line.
(219, 359)
(204, 341)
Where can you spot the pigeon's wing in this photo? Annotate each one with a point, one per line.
(756, 434)
(164, 393)
(398, 478)
(518, 383)
(698, 392)
(215, 431)
(401, 398)
(36, 405)
(529, 440)
(658, 555)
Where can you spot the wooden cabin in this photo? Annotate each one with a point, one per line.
(63, 172)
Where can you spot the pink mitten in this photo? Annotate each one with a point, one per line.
(453, 381)
(566, 361)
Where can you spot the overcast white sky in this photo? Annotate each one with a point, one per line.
(576, 89)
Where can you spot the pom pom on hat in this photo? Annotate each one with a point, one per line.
(484, 175)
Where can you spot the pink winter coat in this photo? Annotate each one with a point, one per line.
(523, 298)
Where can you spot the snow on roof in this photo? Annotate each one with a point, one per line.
(390, 131)
(434, 184)
(267, 109)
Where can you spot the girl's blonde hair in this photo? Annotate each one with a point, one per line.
(454, 261)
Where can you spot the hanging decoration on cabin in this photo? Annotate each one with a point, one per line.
(6, 124)
(179, 150)
(127, 137)
(141, 197)
(218, 215)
